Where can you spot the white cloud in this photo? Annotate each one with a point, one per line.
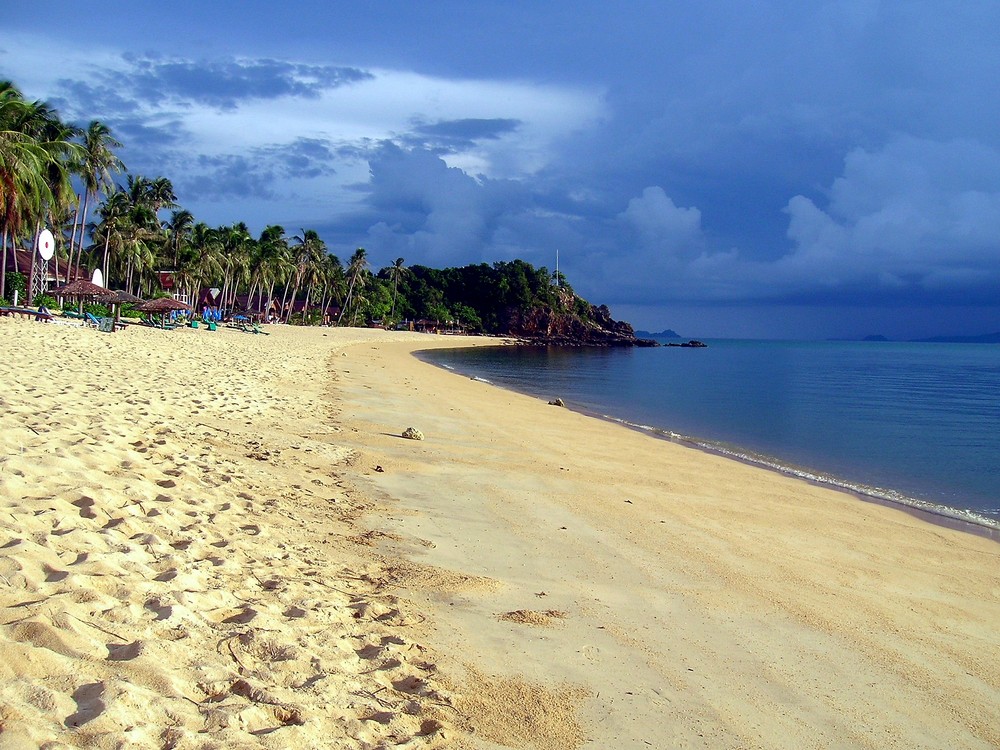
(914, 209)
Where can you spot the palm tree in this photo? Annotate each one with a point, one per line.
(272, 262)
(206, 260)
(333, 280)
(396, 271)
(355, 271)
(97, 163)
(36, 156)
(21, 162)
(308, 254)
(179, 228)
(236, 250)
(114, 214)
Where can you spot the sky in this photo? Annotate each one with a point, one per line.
(726, 169)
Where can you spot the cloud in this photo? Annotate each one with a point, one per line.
(912, 217)
(662, 226)
(455, 136)
(223, 83)
(424, 208)
(214, 177)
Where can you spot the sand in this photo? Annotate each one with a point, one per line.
(221, 540)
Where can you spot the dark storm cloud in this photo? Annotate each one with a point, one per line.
(255, 174)
(455, 136)
(216, 177)
(223, 84)
(421, 207)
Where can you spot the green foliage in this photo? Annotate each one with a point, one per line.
(98, 311)
(45, 299)
(480, 296)
(17, 281)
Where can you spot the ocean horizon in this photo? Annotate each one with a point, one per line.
(914, 424)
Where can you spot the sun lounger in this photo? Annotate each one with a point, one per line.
(26, 312)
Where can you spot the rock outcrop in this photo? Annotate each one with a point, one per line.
(544, 325)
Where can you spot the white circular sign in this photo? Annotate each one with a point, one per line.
(46, 244)
(97, 278)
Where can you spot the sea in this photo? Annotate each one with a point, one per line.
(910, 424)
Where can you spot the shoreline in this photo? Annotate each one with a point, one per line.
(935, 513)
(217, 537)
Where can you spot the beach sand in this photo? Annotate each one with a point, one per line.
(221, 540)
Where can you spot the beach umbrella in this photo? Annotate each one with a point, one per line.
(124, 298)
(162, 306)
(81, 289)
(120, 298)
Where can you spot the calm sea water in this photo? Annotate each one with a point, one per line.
(917, 424)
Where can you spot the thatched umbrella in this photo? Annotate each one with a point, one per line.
(120, 298)
(81, 289)
(163, 305)
(124, 298)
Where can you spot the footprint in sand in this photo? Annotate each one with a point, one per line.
(85, 504)
(162, 611)
(52, 575)
(89, 704)
(242, 617)
(124, 651)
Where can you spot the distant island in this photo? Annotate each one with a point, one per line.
(667, 334)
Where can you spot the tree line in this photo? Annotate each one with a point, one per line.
(68, 178)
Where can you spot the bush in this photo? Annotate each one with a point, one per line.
(98, 311)
(17, 281)
(45, 299)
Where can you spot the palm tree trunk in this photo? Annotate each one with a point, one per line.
(347, 301)
(83, 228)
(72, 238)
(291, 304)
(3, 268)
(104, 262)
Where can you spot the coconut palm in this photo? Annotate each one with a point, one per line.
(396, 271)
(114, 213)
(205, 263)
(22, 160)
(179, 228)
(36, 156)
(236, 256)
(355, 275)
(271, 263)
(333, 280)
(308, 252)
(96, 165)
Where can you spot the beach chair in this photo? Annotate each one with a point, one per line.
(91, 320)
